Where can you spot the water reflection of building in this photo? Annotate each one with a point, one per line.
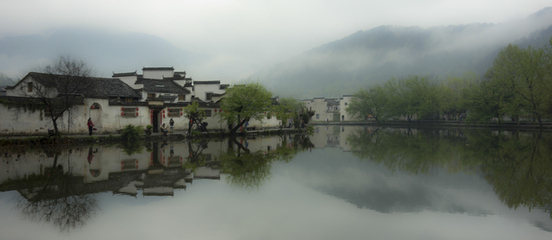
(335, 136)
(157, 169)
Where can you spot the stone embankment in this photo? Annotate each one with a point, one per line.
(71, 139)
(547, 126)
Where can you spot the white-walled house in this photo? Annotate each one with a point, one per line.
(151, 98)
(208, 91)
(329, 109)
(101, 99)
(343, 104)
(167, 92)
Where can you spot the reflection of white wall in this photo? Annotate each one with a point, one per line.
(109, 160)
(260, 143)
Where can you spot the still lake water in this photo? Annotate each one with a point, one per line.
(340, 183)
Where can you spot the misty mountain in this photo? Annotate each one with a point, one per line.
(102, 50)
(5, 80)
(373, 56)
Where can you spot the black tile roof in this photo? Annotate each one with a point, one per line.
(157, 68)
(125, 74)
(90, 87)
(162, 86)
(207, 82)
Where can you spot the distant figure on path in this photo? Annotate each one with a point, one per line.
(90, 126)
(164, 129)
(171, 125)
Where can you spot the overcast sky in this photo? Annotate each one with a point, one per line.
(252, 33)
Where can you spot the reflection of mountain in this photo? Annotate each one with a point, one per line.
(516, 164)
(372, 186)
(387, 200)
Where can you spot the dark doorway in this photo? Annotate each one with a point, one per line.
(155, 120)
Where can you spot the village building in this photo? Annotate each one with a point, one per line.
(329, 109)
(154, 97)
(101, 99)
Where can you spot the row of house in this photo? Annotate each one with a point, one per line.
(151, 98)
(330, 109)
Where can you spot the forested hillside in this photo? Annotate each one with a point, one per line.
(374, 56)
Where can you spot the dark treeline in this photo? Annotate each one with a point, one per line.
(517, 87)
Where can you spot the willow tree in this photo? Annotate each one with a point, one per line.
(523, 78)
(369, 103)
(287, 109)
(195, 114)
(245, 102)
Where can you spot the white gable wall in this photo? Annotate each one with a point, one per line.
(201, 90)
(21, 89)
(157, 74)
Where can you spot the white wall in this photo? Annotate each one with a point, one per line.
(130, 80)
(320, 107)
(21, 89)
(200, 90)
(344, 103)
(157, 74)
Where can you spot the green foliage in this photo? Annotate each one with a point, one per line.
(522, 81)
(373, 102)
(193, 112)
(196, 116)
(410, 97)
(286, 109)
(131, 133)
(244, 102)
(247, 170)
(130, 137)
(517, 86)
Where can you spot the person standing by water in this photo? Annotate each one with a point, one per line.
(164, 129)
(90, 126)
(171, 125)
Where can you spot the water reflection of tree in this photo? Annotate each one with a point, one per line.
(248, 169)
(196, 157)
(57, 198)
(131, 147)
(405, 150)
(520, 170)
(517, 165)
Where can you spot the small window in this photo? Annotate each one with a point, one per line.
(317, 116)
(129, 112)
(209, 96)
(208, 113)
(181, 97)
(174, 112)
(30, 87)
(151, 95)
(345, 104)
(128, 99)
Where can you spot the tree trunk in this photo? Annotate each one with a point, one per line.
(235, 129)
